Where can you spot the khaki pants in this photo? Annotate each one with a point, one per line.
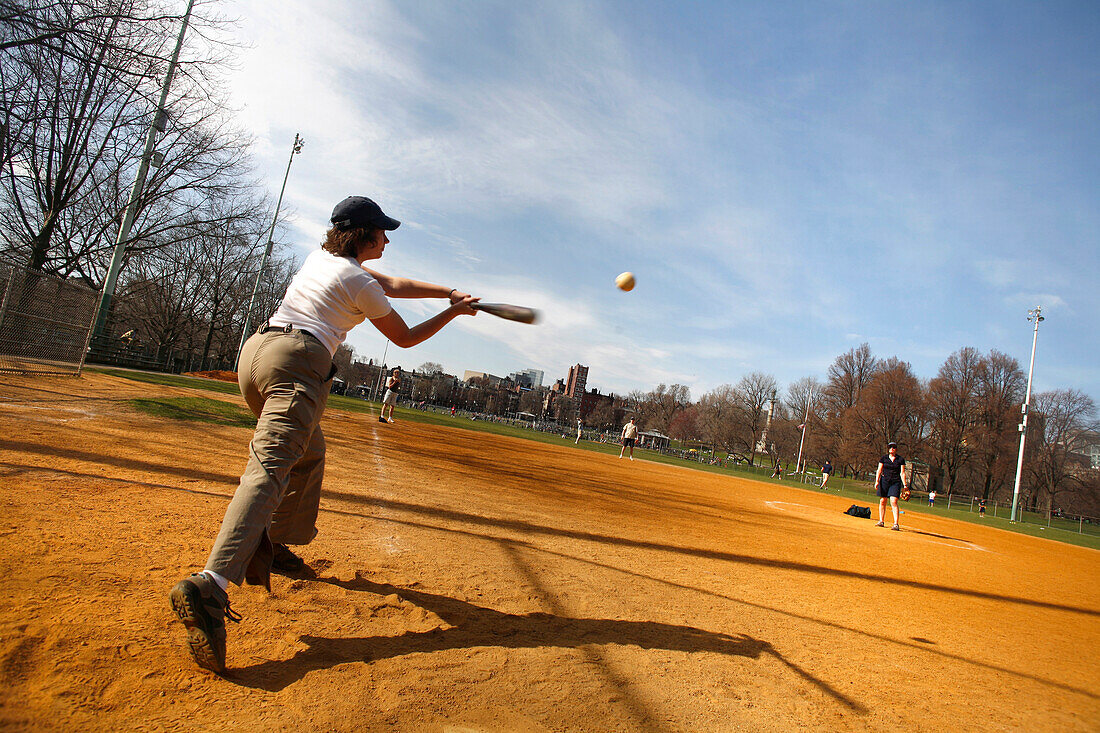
(284, 378)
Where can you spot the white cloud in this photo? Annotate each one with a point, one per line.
(533, 152)
(1048, 301)
(1000, 273)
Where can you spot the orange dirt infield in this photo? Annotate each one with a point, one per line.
(465, 581)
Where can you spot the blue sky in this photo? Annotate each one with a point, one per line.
(786, 180)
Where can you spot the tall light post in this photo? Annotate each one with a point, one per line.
(148, 157)
(805, 423)
(381, 372)
(294, 150)
(1035, 315)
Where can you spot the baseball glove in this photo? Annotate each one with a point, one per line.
(905, 493)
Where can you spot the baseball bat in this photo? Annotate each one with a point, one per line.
(509, 312)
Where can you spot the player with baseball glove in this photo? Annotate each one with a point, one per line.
(891, 479)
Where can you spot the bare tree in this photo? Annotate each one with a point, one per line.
(78, 107)
(564, 409)
(656, 408)
(805, 402)
(753, 395)
(602, 416)
(687, 424)
(954, 411)
(1000, 394)
(891, 407)
(1066, 417)
(430, 367)
(848, 376)
(718, 419)
(531, 401)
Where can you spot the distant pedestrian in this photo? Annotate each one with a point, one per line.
(981, 508)
(578, 440)
(826, 473)
(932, 498)
(630, 435)
(890, 478)
(777, 470)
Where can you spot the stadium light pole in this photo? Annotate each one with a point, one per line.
(294, 150)
(381, 370)
(805, 423)
(157, 126)
(1037, 316)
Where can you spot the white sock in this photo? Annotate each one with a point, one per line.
(222, 582)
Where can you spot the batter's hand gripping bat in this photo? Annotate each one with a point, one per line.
(510, 312)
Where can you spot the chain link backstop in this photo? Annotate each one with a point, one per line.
(44, 322)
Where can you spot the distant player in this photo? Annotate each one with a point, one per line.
(393, 383)
(981, 508)
(630, 435)
(777, 469)
(826, 473)
(578, 440)
(932, 498)
(890, 477)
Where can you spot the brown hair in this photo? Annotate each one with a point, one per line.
(346, 242)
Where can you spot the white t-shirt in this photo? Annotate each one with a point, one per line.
(630, 430)
(330, 296)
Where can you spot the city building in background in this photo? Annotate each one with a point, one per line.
(530, 378)
(578, 379)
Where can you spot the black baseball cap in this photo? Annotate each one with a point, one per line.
(360, 211)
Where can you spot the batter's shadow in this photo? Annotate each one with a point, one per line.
(472, 626)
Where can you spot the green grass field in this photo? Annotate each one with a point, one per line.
(858, 491)
(197, 409)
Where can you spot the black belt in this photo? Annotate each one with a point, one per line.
(267, 328)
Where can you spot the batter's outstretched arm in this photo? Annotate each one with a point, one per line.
(403, 287)
(393, 326)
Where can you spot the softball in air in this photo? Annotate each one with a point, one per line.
(625, 281)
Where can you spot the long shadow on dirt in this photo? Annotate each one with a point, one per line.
(478, 626)
(524, 527)
(537, 529)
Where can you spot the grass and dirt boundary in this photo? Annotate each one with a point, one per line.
(858, 491)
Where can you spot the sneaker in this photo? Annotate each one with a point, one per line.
(285, 561)
(880, 524)
(896, 528)
(203, 607)
(381, 419)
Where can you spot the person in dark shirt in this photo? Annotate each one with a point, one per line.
(826, 473)
(981, 507)
(890, 477)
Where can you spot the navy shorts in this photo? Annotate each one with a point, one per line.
(891, 489)
(628, 442)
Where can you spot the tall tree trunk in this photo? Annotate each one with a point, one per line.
(209, 335)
